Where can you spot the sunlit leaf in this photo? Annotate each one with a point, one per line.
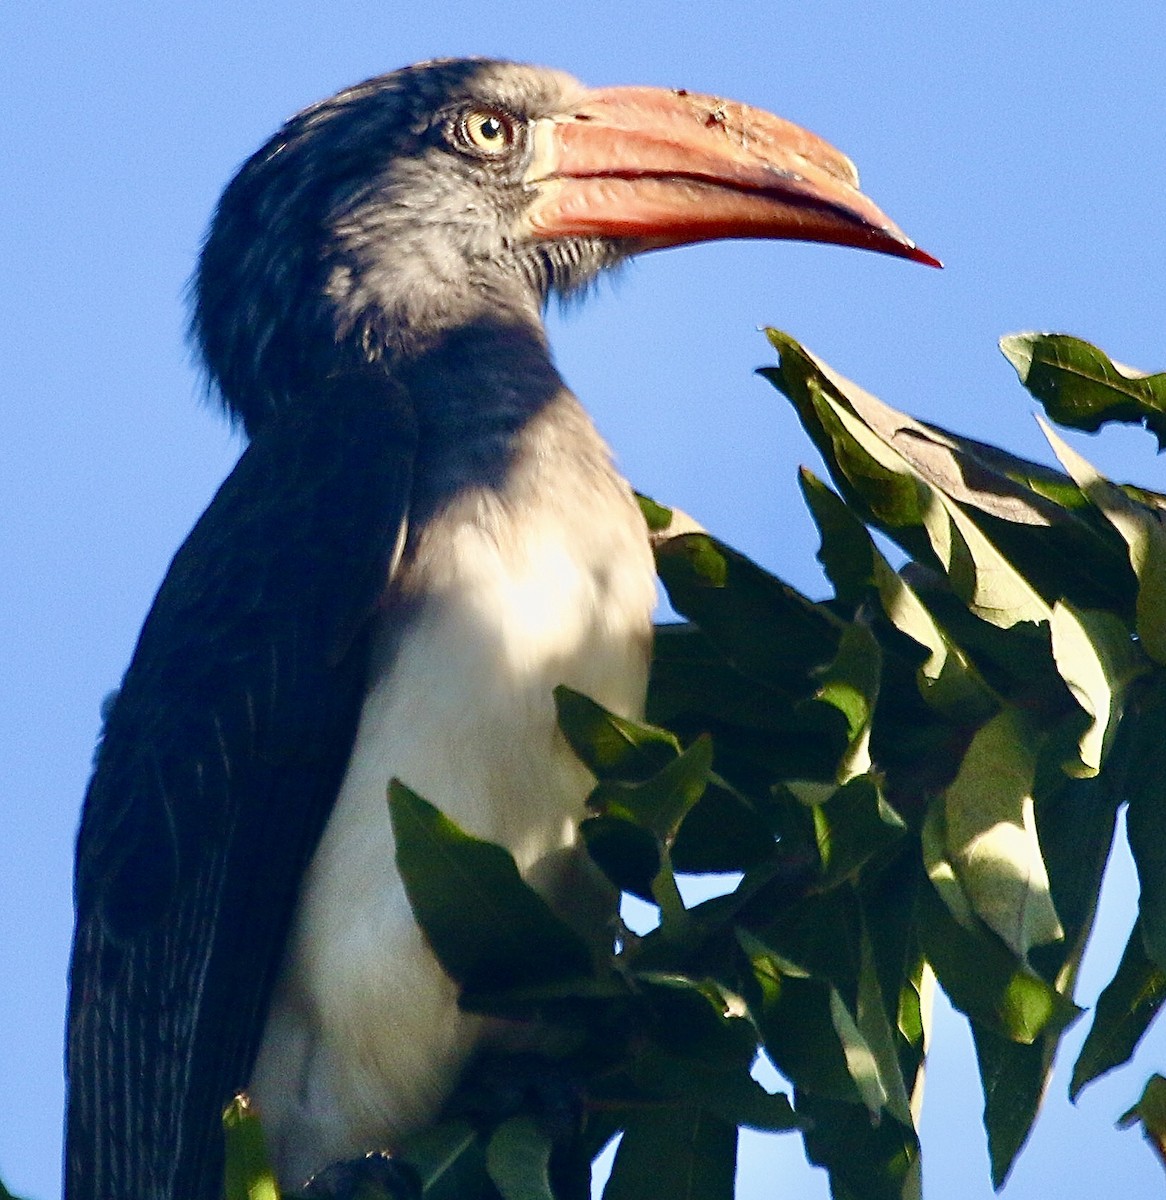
(983, 979)
(851, 685)
(1096, 658)
(946, 678)
(861, 1060)
(878, 1033)
(248, 1172)
(657, 516)
(991, 834)
(910, 476)
(1144, 534)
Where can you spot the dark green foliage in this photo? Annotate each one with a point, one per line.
(917, 779)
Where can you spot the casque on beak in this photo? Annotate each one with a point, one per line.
(671, 167)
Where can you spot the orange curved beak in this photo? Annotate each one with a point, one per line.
(666, 168)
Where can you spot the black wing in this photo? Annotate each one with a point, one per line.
(220, 761)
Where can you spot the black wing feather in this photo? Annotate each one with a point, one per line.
(220, 760)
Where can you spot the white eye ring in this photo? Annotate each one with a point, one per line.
(488, 131)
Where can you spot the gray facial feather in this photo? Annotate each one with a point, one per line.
(357, 235)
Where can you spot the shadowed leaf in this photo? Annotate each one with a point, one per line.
(1013, 1078)
(518, 1158)
(1146, 813)
(1150, 1113)
(449, 1158)
(674, 1153)
(1124, 1011)
(488, 928)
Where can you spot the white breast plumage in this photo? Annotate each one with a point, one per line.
(364, 1038)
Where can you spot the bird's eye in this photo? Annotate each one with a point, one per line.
(487, 131)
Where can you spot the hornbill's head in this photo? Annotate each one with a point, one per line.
(455, 190)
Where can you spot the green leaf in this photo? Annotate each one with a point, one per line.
(1076, 821)
(1144, 534)
(879, 1036)
(906, 983)
(766, 630)
(851, 685)
(819, 934)
(627, 853)
(759, 731)
(1145, 786)
(867, 1160)
(658, 517)
(846, 551)
(909, 477)
(824, 935)
(518, 1158)
(726, 1090)
(861, 1060)
(674, 1153)
(1150, 1113)
(5, 1194)
(947, 679)
(797, 1026)
(660, 803)
(1080, 386)
(449, 1158)
(726, 831)
(1096, 658)
(1013, 1078)
(610, 745)
(853, 826)
(248, 1172)
(991, 838)
(983, 979)
(489, 929)
(1124, 1011)
(695, 1018)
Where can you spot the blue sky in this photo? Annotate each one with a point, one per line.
(1021, 144)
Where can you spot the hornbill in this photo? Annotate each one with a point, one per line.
(424, 535)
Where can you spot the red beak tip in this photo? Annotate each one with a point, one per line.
(921, 256)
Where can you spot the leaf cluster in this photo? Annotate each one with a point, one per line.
(916, 780)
